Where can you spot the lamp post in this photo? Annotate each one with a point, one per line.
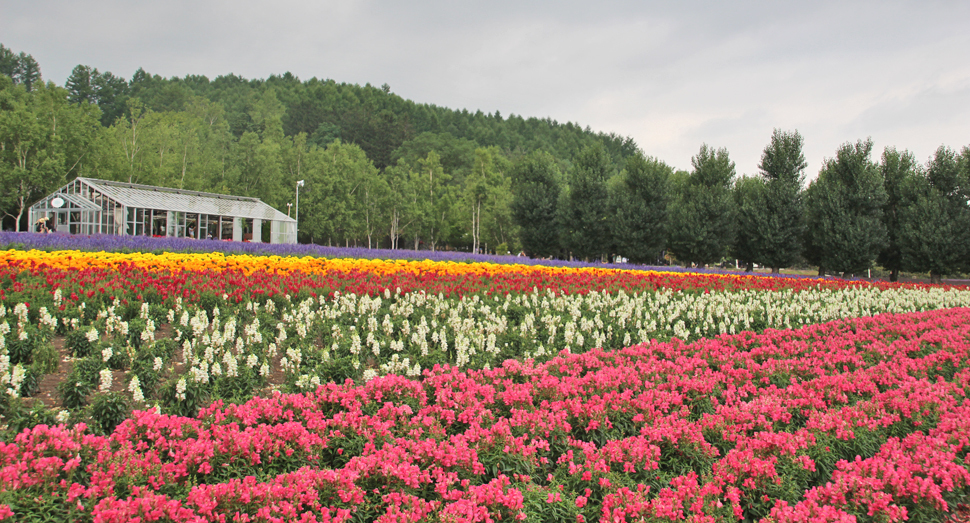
(289, 207)
(297, 217)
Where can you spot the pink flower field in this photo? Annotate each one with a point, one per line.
(855, 420)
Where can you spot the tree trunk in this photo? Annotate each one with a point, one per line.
(776, 270)
(936, 277)
(894, 275)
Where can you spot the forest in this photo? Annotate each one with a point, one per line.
(382, 171)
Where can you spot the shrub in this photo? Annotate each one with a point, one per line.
(108, 409)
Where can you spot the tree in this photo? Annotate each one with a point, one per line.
(330, 201)
(898, 170)
(435, 201)
(43, 139)
(934, 225)
(639, 200)
(111, 93)
(534, 203)
(702, 215)
(402, 204)
(80, 85)
(29, 72)
(21, 68)
(750, 197)
(484, 198)
(584, 208)
(9, 63)
(783, 171)
(844, 210)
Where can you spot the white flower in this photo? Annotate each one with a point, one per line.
(157, 364)
(105, 380)
(200, 374)
(16, 379)
(134, 386)
(106, 354)
(230, 361)
(92, 335)
(180, 389)
(369, 374)
(63, 415)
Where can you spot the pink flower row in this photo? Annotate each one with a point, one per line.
(860, 417)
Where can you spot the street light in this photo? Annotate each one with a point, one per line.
(297, 217)
(289, 207)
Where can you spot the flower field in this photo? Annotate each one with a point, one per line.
(214, 387)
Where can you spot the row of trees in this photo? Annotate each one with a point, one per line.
(382, 171)
(857, 212)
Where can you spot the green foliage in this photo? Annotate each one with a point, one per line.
(771, 222)
(639, 201)
(898, 170)
(185, 402)
(77, 342)
(108, 409)
(584, 206)
(702, 216)
(844, 208)
(934, 223)
(45, 358)
(43, 139)
(86, 370)
(534, 203)
(22, 350)
(73, 392)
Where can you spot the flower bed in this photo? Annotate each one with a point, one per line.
(865, 418)
(236, 320)
(146, 244)
(472, 392)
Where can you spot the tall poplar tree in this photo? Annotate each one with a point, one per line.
(898, 170)
(783, 171)
(845, 206)
(639, 198)
(935, 223)
(702, 216)
(583, 211)
(535, 198)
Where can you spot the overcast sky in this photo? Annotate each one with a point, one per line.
(672, 75)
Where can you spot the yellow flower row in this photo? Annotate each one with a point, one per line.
(247, 264)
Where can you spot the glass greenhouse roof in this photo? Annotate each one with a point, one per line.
(150, 197)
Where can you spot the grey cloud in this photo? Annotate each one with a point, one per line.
(670, 74)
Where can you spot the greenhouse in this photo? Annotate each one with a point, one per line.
(90, 206)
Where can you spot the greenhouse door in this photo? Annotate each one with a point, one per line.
(61, 222)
